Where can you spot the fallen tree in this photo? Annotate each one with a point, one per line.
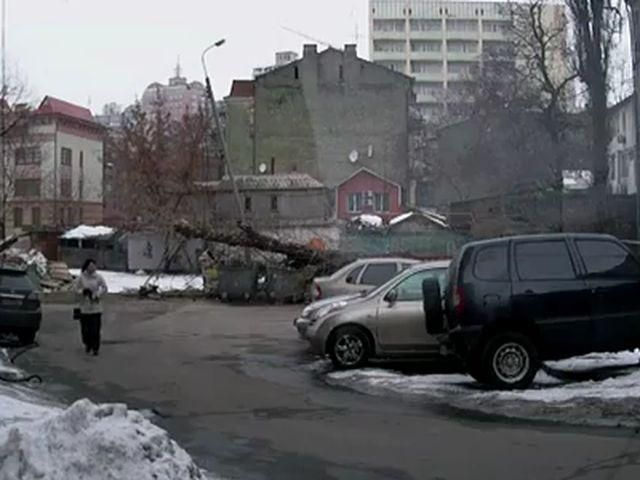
(247, 237)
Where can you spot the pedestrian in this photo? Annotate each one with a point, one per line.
(90, 288)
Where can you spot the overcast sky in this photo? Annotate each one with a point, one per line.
(96, 51)
(110, 50)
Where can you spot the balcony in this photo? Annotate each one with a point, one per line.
(427, 55)
(462, 35)
(389, 55)
(463, 56)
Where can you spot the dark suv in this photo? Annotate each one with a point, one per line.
(20, 312)
(513, 302)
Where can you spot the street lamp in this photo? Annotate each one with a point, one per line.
(216, 117)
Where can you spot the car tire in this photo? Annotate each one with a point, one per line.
(27, 337)
(349, 348)
(510, 361)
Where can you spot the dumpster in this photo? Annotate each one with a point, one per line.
(237, 282)
(285, 285)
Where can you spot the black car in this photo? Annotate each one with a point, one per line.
(513, 302)
(20, 311)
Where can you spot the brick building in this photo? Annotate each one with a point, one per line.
(328, 114)
(54, 168)
(367, 192)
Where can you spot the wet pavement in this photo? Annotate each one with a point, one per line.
(237, 388)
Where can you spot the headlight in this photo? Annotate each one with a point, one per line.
(327, 309)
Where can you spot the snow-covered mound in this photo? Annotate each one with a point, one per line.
(91, 442)
(122, 282)
(87, 231)
(612, 398)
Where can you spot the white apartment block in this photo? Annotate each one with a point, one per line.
(622, 148)
(439, 42)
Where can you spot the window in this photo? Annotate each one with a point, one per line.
(17, 217)
(24, 187)
(355, 202)
(389, 25)
(81, 162)
(15, 281)
(462, 25)
(495, 26)
(36, 218)
(296, 72)
(426, 67)
(389, 46)
(352, 278)
(397, 66)
(491, 263)
(462, 47)
(274, 203)
(340, 72)
(426, 46)
(544, 261)
(28, 155)
(65, 187)
(425, 25)
(607, 259)
(410, 289)
(247, 204)
(65, 156)
(433, 89)
(381, 202)
(459, 68)
(378, 273)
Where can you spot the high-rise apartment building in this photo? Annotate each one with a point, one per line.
(439, 42)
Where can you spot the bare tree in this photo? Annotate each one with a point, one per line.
(596, 28)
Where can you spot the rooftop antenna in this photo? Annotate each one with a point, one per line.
(309, 37)
(178, 68)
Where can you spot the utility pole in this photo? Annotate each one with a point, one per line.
(223, 140)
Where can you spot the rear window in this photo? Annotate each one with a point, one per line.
(544, 261)
(378, 273)
(607, 259)
(491, 263)
(15, 281)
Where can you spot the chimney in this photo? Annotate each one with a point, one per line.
(351, 50)
(310, 49)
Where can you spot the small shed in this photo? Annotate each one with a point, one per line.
(103, 244)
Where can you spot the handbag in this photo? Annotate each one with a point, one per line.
(76, 313)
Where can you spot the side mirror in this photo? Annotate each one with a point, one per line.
(392, 297)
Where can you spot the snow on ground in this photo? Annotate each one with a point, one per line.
(122, 282)
(86, 231)
(614, 400)
(41, 440)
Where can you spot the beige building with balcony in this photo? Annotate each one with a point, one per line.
(439, 43)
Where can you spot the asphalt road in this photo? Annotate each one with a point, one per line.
(239, 391)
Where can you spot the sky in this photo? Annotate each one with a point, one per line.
(92, 52)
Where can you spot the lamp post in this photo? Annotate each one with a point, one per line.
(216, 117)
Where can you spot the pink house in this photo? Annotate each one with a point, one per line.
(367, 192)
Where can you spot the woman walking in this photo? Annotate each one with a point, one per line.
(90, 288)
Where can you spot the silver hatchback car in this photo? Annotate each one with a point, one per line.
(386, 323)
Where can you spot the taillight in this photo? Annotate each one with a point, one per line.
(318, 292)
(458, 301)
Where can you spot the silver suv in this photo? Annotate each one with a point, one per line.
(389, 322)
(360, 276)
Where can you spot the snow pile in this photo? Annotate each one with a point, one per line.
(92, 442)
(367, 220)
(430, 215)
(401, 218)
(86, 231)
(122, 282)
(612, 398)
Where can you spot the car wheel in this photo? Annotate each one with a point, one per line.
(27, 337)
(349, 348)
(510, 362)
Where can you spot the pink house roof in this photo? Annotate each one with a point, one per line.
(55, 106)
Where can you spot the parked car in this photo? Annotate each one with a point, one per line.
(20, 311)
(385, 323)
(512, 303)
(360, 276)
